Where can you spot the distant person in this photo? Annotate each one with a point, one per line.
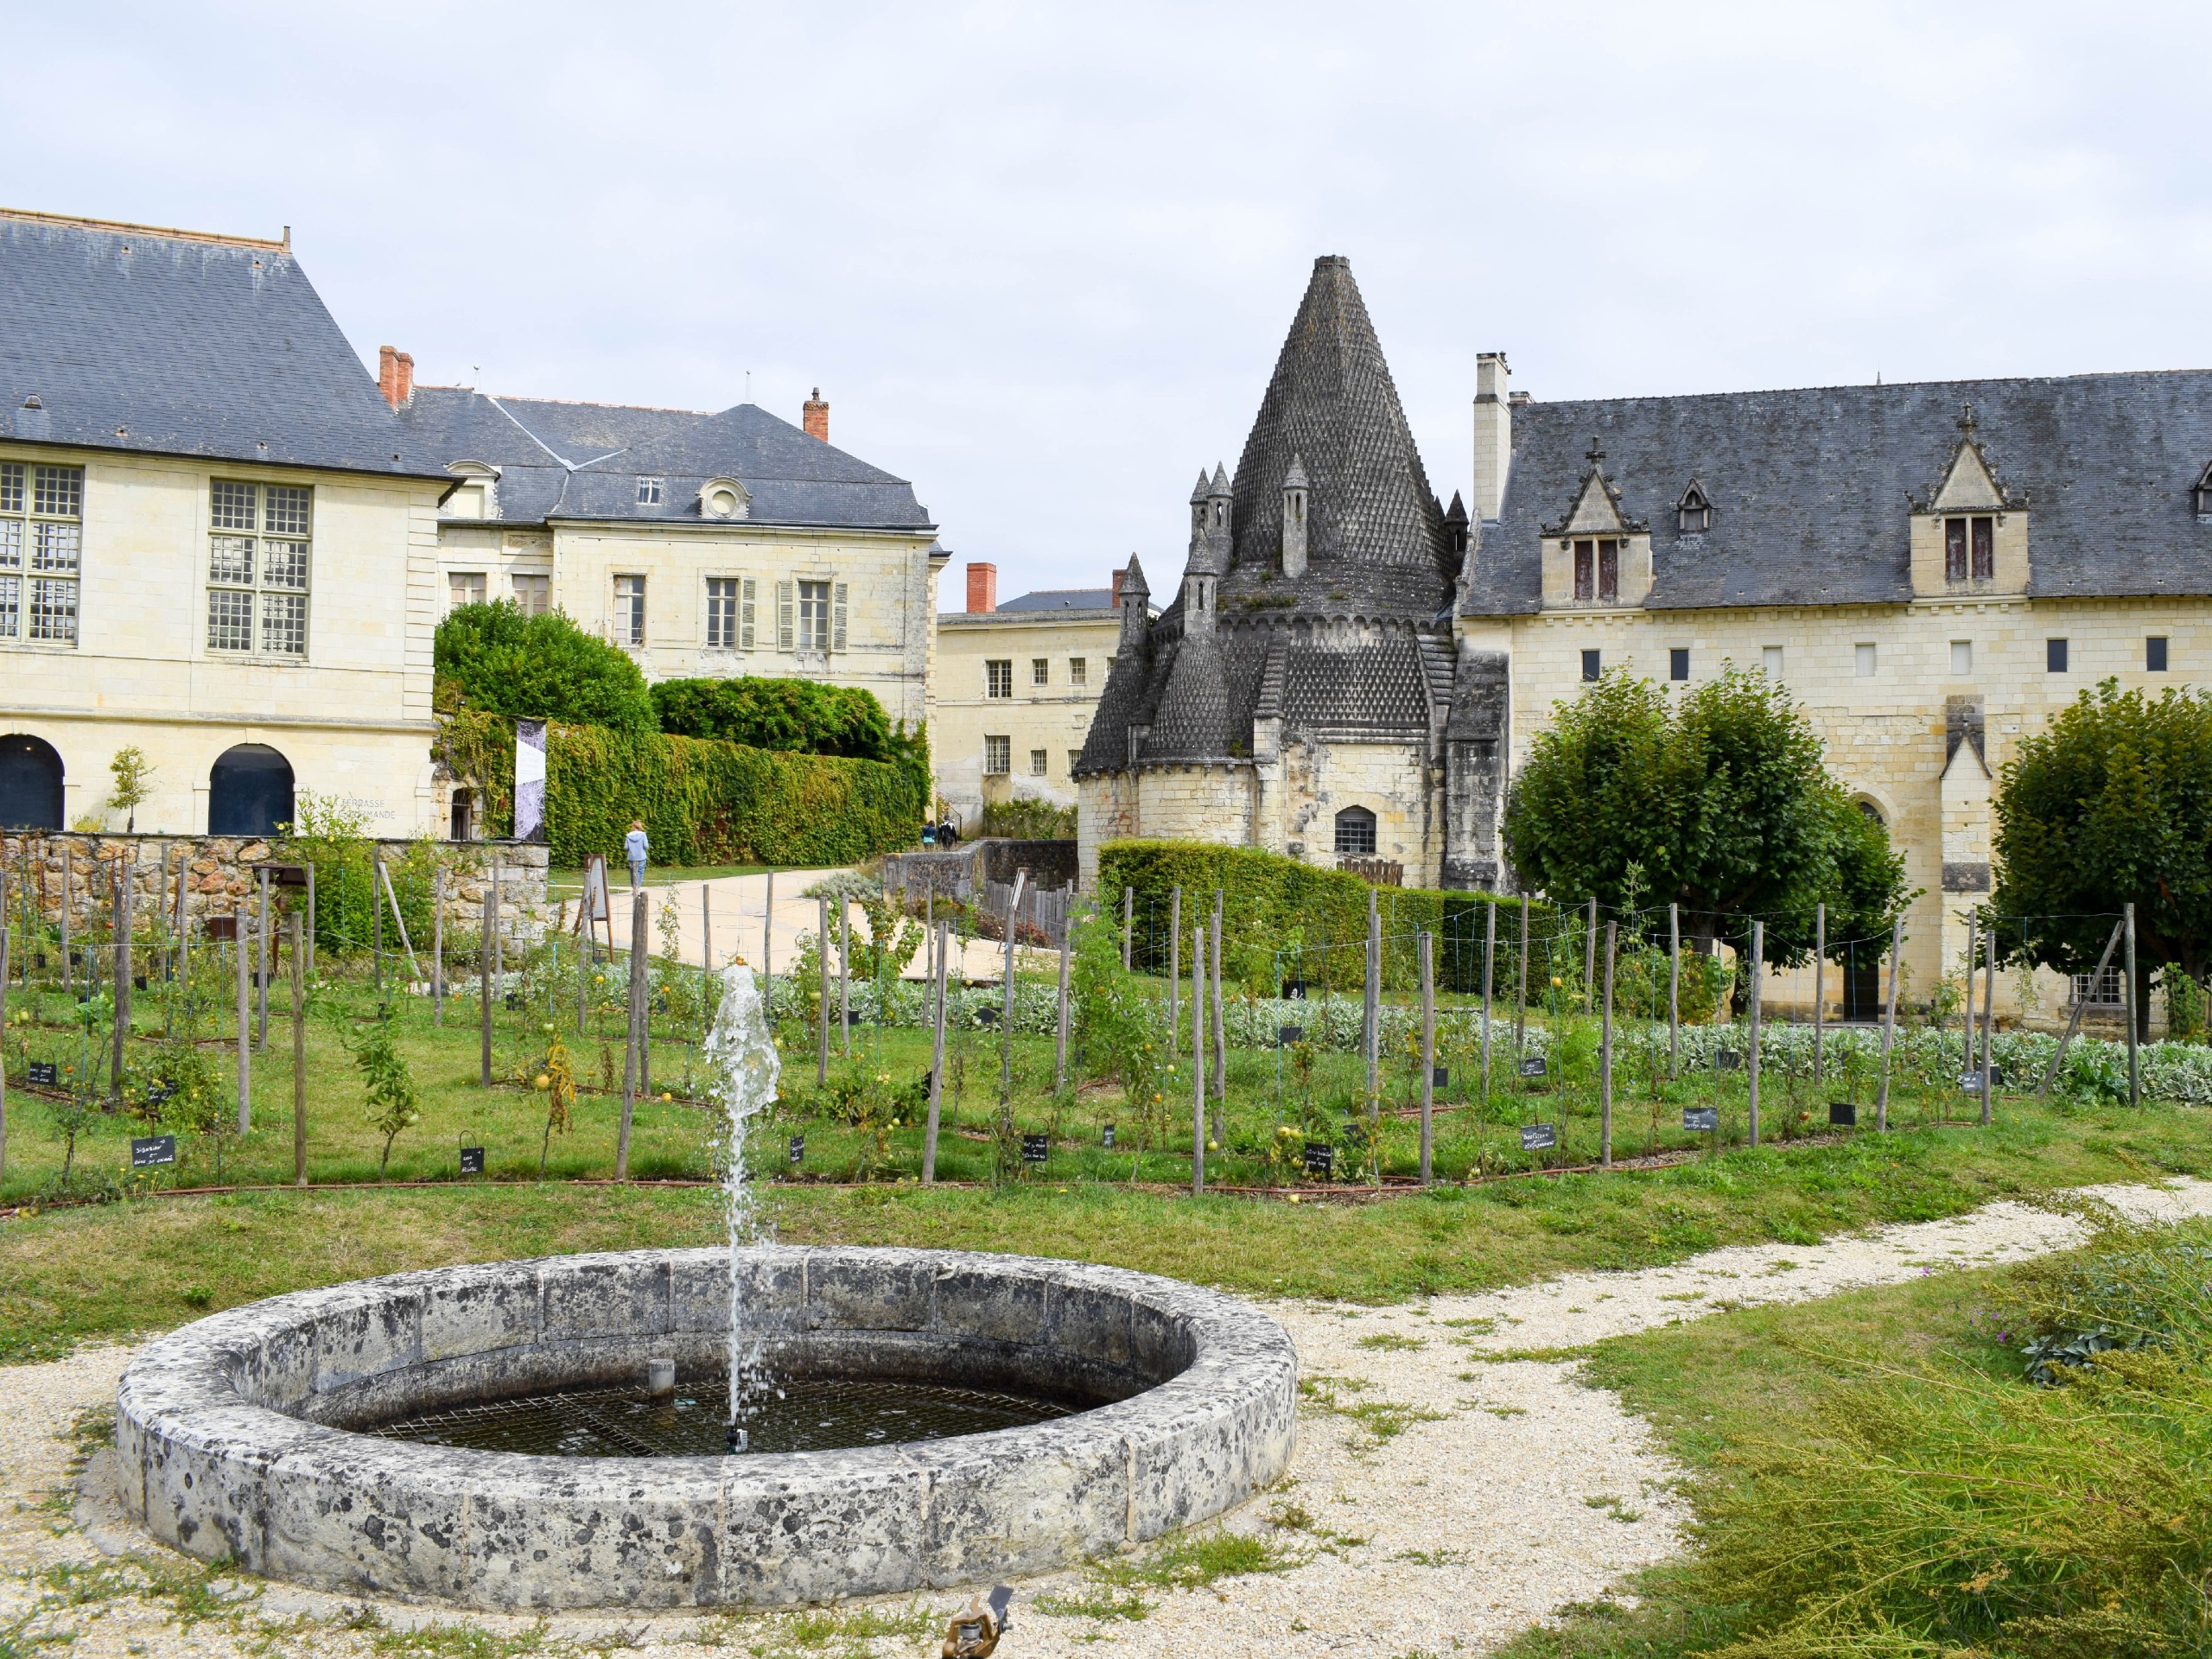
(948, 833)
(929, 835)
(635, 846)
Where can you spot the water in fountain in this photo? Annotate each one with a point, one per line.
(741, 1050)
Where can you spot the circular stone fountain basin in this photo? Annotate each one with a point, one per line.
(240, 1436)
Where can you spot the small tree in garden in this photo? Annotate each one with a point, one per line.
(134, 782)
(2112, 804)
(557, 1081)
(1717, 802)
(393, 1103)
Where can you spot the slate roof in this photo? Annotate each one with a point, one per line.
(169, 342)
(1810, 488)
(790, 478)
(1343, 648)
(1062, 599)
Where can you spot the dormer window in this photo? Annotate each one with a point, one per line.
(1970, 549)
(2202, 493)
(723, 498)
(648, 491)
(1694, 512)
(1597, 570)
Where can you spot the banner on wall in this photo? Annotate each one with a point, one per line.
(530, 780)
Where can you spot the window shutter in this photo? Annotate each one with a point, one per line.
(837, 628)
(744, 608)
(783, 616)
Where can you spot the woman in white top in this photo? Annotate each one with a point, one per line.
(635, 846)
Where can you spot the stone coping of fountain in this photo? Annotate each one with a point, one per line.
(232, 1438)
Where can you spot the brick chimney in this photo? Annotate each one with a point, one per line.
(983, 589)
(1118, 574)
(814, 416)
(394, 375)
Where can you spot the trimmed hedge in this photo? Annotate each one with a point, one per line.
(703, 802)
(1272, 903)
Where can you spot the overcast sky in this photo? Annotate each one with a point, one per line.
(1040, 260)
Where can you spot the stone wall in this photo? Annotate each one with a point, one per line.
(78, 870)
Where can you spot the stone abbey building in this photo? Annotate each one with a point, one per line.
(1348, 668)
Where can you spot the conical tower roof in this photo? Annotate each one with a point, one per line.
(1332, 405)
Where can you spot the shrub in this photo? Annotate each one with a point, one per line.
(493, 658)
(793, 716)
(335, 839)
(1029, 820)
(1308, 923)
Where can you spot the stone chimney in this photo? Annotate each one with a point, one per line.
(814, 416)
(394, 375)
(1494, 405)
(983, 589)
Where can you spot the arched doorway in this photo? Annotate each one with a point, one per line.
(30, 783)
(248, 792)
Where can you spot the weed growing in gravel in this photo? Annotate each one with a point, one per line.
(1535, 1356)
(1094, 1603)
(1381, 1420)
(1614, 1507)
(1194, 1562)
(457, 1641)
(1390, 1342)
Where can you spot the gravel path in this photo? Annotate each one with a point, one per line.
(1432, 1508)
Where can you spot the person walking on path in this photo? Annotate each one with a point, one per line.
(635, 846)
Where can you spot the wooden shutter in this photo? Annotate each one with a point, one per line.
(837, 626)
(783, 615)
(744, 608)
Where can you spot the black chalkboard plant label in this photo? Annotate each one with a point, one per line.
(151, 1150)
(1533, 1066)
(471, 1161)
(1320, 1160)
(1106, 1137)
(797, 1150)
(1844, 1113)
(1702, 1120)
(1036, 1148)
(46, 1074)
(1538, 1137)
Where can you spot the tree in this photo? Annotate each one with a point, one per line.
(393, 1100)
(134, 782)
(1720, 804)
(2111, 805)
(801, 715)
(493, 658)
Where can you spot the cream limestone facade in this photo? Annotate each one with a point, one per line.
(1001, 722)
(351, 714)
(878, 632)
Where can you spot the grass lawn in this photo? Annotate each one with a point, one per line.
(570, 882)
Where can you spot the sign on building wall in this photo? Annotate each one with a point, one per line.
(530, 780)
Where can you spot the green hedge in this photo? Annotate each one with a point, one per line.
(1314, 919)
(703, 802)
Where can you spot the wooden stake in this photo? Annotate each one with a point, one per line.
(1605, 1055)
(1988, 1010)
(261, 972)
(311, 915)
(767, 957)
(488, 925)
(1198, 1065)
(1174, 967)
(376, 909)
(119, 909)
(1128, 923)
(1370, 1036)
(239, 926)
(1673, 989)
(1006, 1018)
(2134, 1065)
(299, 1057)
(1758, 974)
(1521, 984)
(1890, 1021)
(634, 1070)
(438, 946)
(68, 892)
(1490, 952)
(1220, 1036)
(937, 1058)
(845, 973)
(1060, 1053)
(822, 997)
(1820, 987)
(1590, 954)
(1428, 1053)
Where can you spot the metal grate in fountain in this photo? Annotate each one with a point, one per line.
(801, 1416)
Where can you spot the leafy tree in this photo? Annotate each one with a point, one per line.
(134, 782)
(2112, 804)
(393, 1100)
(493, 658)
(1719, 803)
